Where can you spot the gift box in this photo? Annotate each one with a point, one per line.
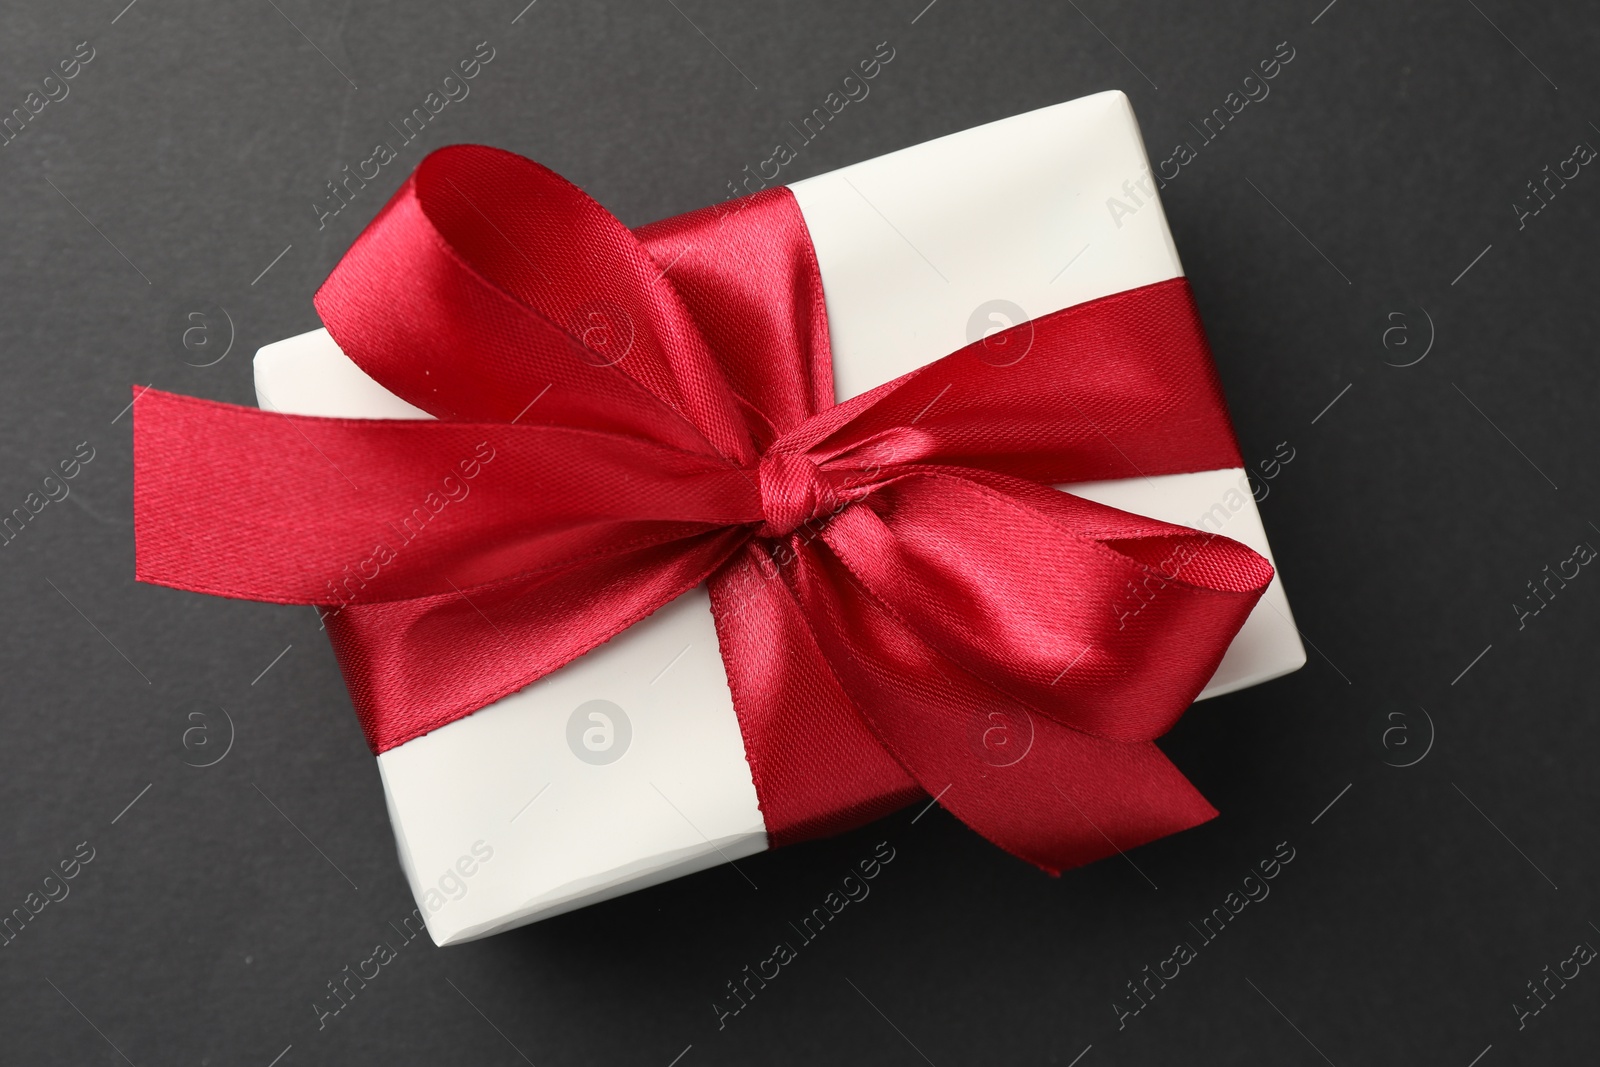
(628, 766)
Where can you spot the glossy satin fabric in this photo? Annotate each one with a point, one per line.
(904, 606)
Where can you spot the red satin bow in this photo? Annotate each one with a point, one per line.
(904, 605)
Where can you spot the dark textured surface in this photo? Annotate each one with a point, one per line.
(1415, 511)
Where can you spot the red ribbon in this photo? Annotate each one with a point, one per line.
(904, 605)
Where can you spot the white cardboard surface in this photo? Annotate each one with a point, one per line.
(909, 245)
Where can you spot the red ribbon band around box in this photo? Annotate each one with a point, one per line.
(904, 605)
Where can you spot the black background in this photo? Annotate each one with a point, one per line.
(1416, 510)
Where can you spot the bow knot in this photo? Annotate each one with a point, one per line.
(793, 492)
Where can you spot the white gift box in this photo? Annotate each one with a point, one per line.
(627, 767)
